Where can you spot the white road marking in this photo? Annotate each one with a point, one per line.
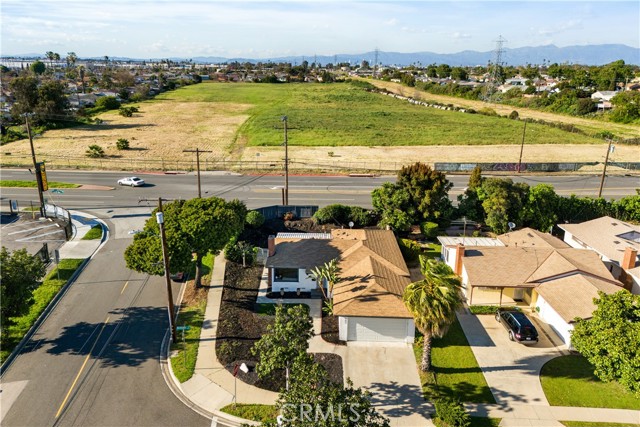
(26, 239)
(33, 229)
(214, 422)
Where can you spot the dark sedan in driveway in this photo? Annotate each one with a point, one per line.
(518, 325)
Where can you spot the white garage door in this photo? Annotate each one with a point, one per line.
(377, 329)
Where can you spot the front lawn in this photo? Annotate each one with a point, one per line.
(254, 412)
(42, 296)
(455, 372)
(569, 381)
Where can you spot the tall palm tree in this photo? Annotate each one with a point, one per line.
(433, 302)
(329, 273)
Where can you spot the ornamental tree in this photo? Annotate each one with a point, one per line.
(20, 274)
(610, 340)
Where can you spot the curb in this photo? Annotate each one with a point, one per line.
(52, 304)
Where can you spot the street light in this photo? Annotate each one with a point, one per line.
(286, 163)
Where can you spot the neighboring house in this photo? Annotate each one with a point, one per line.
(616, 242)
(368, 299)
(537, 270)
(604, 98)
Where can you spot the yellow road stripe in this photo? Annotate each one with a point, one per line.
(86, 359)
(124, 287)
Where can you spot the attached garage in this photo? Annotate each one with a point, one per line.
(376, 329)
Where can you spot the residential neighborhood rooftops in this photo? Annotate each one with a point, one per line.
(605, 235)
(528, 237)
(468, 241)
(572, 296)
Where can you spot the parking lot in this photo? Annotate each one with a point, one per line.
(511, 369)
(31, 232)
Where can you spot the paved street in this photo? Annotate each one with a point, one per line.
(95, 360)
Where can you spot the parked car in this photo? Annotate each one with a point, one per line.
(132, 181)
(518, 325)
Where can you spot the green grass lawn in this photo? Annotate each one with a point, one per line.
(433, 250)
(94, 233)
(569, 381)
(455, 371)
(341, 114)
(260, 413)
(42, 296)
(34, 184)
(185, 353)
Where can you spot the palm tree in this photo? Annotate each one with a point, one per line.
(50, 56)
(329, 273)
(433, 302)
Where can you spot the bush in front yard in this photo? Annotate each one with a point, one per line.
(450, 413)
(429, 229)
(410, 249)
(254, 219)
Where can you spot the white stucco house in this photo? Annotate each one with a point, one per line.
(368, 299)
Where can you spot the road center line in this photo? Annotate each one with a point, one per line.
(124, 287)
(86, 359)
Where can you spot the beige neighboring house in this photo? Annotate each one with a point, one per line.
(537, 270)
(368, 300)
(616, 242)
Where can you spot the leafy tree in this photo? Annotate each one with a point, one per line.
(428, 192)
(285, 340)
(108, 103)
(313, 400)
(197, 226)
(329, 273)
(541, 207)
(459, 74)
(392, 204)
(627, 208)
(503, 202)
(443, 71)
(627, 106)
(71, 59)
(95, 151)
(433, 302)
(254, 219)
(25, 92)
(610, 340)
(20, 274)
(52, 100)
(37, 67)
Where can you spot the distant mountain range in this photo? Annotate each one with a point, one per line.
(584, 55)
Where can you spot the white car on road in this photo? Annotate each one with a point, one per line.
(132, 181)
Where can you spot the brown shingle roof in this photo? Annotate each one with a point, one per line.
(372, 268)
(525, 267)
(572, 296)
(605, 235)
(528, 237)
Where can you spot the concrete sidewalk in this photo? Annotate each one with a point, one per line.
(76, 247)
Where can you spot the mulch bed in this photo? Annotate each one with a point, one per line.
(330, 329)
(239, 327)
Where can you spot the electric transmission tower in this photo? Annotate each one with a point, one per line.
(495, 71)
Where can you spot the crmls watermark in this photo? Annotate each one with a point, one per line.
(307, 412)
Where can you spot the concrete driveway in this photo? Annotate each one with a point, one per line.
(512, 370)
(390, 374)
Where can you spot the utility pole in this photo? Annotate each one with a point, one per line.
(36, 165)
(522, 145)
(604, 170)
(165, 260)
(197, 151)
(286, 163)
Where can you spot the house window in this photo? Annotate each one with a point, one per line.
(285, 275)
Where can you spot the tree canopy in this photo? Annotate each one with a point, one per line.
(195, 226)
(610, 340)
(20, 274)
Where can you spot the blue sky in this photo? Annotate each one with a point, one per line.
(262, 29)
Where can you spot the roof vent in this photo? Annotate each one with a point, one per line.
(617, 242)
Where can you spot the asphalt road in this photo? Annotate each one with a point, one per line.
(95, 360)
(266, 190)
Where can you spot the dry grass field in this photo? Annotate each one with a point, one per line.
(165, 127)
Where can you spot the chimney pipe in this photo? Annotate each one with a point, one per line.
(459, 255)
(271, 245)
(629, 258)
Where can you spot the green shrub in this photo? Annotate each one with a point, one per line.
(410, 249)
(486, 111)
(429, 229)
(226, 351)
(234, 250)
(95, 151)
(490, 309)
(127, 111)
(336, 213)
(514, 115)
(108, 103)
(362, 217)
(122, 144)
(450, 413)
(254, 219)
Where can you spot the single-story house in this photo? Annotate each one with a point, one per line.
(616, 242)
(368, 299)
(537, 270)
